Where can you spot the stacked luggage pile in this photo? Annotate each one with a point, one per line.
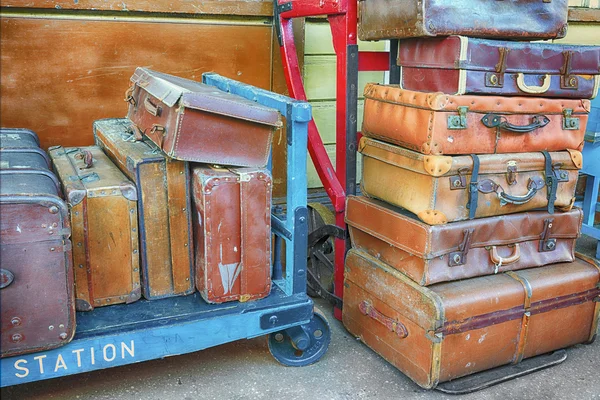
(468, 181)
(146, 212)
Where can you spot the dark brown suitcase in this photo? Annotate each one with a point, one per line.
(441, 189)
(164, 208)
(103, 204)
(191, 121)
(462, 65)
(431, 254)
(437, 123)
(232, 233)
(36, 273)
(524, 20)
(448, 330)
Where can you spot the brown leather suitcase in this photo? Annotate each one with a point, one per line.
(103, 204)
(448, 330)
(232, 233)
(431, 254)
(191, 121)
(436, 123)
(440, 189)
(164, 208)
(462, 65)
(521, 20)
(36, 271)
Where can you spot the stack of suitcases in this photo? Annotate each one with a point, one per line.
(469, 173)
(172, 199)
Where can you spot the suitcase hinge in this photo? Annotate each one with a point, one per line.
(458, 121)
(459, 257)
(568, 81)
(570, 123)
(547, 243)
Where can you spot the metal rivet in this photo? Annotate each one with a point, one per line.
(456, 183)
(114, 192)
(44, 226)
(80, 265)
(103, 192)
(456, 258)
(185, 245)
(132, 211)
(187, 279)
(53, 210)
(63, 336)
(52, 248)
(55, 225)
(135, 251)
(302, 219)
(51, 328)
(79, 244)
(17, 337)
(135, 270)
(15, 321)
(273, 319)
(121, 297)
(133, 229)
(183, 209)
(76, 212)
(108, 300)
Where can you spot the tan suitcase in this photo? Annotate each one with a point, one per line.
(164, 208)
(440, 189)
(103, 205)
(441, 332)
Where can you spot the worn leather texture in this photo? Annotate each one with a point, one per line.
(526, 20)
(436, 188)
(191, 121)
(448, 330)
(36, 253)
(420, 121)
(104, 222)
(232, 233)
(461, 65)
(163, 184)
(431, 254)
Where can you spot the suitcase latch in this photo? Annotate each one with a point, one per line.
(459, 181)
(560, 174)
(547, 243)
(570, 123)
(568, 81)
(458, 121)
(459, 257)
(511, 172)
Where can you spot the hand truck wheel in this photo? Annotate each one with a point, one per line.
(301, 345)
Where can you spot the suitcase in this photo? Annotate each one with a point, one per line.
(163, 204)
(435, 123)
(232, 233)
(37, 301)
(18, 138)
(103, 206)
(517, 20)
(448, 330)
(461, 65)
(440, 189)
(33, 158)
(191, 121)
(431, 254)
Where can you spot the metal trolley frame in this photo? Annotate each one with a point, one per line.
(145, 330)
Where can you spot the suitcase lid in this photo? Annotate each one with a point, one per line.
(33, 157)
(438, 166)
(402, 229)
(460, 52)
(437, 101)
(87, 171)
(191, 94)
(115, 134)
(18, 137)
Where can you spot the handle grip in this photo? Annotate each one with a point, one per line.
(86, 156)
(498, 260)
(533, 89)
(496, 121)
(394, 326)
(489, 186)
(151, 108)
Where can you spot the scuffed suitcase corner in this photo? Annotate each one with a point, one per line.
(433, 217)
(82, 305)
(129, 191)
(437, 165)
(135, 294)
(74, 194)
(576, 157)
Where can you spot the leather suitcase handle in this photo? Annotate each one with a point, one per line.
(497, 121)
(151, 108)
(398, 327)
(489, 186)
(86, 156)
(499, 261)
(533, 89)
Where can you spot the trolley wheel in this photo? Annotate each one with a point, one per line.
(321, 256)
(301, 345)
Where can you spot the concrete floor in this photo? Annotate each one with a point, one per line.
(349, 370)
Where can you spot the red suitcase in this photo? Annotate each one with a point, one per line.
(461, 65)
(232, 233)
(37, 299)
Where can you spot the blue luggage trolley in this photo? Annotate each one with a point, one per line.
(124, 334)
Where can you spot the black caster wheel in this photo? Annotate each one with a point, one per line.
(301, 345)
